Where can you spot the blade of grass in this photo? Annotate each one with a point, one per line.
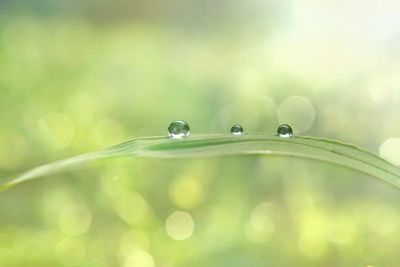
(219, 145)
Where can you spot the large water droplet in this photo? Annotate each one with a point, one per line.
(178, 129)
(237, 129)
(285, 131)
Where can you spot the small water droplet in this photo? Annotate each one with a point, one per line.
(285, 131)
(178, 129)
(237, 129)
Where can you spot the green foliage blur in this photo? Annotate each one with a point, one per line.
(77, 76)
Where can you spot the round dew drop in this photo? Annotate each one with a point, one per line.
(285, 131)
(178, 129)
(237, 130)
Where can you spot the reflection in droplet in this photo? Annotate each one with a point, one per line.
(285, 131)
(237, 129)
(178, 129)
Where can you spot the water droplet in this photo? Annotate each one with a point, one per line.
(237, 129)
(178, 129)
(285, 131)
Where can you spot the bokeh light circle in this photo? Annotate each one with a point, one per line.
(390, 150)
(298, 112)
(179, 225)
(140, 258)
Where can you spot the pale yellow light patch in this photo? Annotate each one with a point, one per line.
(186, 192)
(390, 150)
(70, 252)
(251, 79)
(312, 241)
(341, 230)
(261, 225)
(384, 86)
(74, 219)
(384, 220)
(131, 207)
(179, 225)
(133, 240)
(107, 132)
(298, 112)
(82, 108)
(56, 130)
(139, 258)
(13, 148)
(261, 218)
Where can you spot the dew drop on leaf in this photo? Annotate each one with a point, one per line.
(178, 129)
(237, 129)
(285, 131)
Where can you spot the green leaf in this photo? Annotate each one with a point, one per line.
(220, 145)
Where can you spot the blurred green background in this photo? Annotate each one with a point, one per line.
(76, 76)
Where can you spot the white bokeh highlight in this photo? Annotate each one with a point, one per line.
(179, 225)
(390, 150)
(298, 112)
